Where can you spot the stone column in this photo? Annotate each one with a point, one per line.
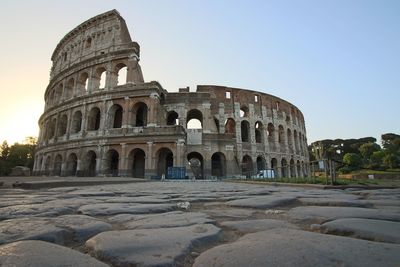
(150, 168)
(123, 163)
(99, 160)
(125, 117)
(221, 113)
(178, 158)
(68, 124)
(111, 77)
(206, 110)
(92, 81)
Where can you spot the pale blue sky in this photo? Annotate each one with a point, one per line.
(338, 61)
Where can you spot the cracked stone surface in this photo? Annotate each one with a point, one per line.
(251, 226)
(375, 230)
(288, 247)
(158, 247)
(322, 214)
(141, 223)
(43, 254)
(163, 220)
(264, 202)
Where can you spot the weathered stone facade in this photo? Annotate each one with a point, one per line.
(93, 126)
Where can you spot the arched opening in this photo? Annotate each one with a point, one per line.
(296, 141)
(83, 81)
(50, 99)
(298, 167)
(258, 132)
(90, 162)
(244, 112)
(194, 119)
(172, 118)
(245, 130)
(62, 125)
(274, 166)
(57, 165)
(304, 169)
(93, 123)
(39, 166)
(140, 114)
(218, 165)
(115, 116)
(76, 124)
(52, 128)
(165, 160)
(58, 93)
(284, 167)
(137, 161)
(290, 143)
(261, 165)
(292, 168)
(230, 126)
(281, 134)
(72, 163)
(47, 165)
(112, 162)
(247, 166)
(196, 163)
(271, 133)
(101, 74)
(69, 88)
(88, 42)
(122, 72)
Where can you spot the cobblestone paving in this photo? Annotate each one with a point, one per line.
(199, 224)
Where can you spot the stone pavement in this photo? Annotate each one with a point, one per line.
(199, 224)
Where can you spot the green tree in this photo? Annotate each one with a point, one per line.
(5, 166)
(391, 142)
(391, 161)
(368, 149)
(4, 150)
(353, 160)
(376, 159)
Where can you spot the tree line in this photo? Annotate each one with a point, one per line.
(362, 153)
(17, 155)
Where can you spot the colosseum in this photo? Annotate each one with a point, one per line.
(102, 119)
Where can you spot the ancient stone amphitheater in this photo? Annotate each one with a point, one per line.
(102, 119)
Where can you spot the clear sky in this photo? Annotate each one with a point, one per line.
(337, 60)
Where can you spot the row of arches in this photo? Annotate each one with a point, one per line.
(91, 163)
(283, 168)
(295, 140)
(114, 119)
(83, 82)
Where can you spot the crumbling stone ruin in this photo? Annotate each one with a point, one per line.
(102, 119)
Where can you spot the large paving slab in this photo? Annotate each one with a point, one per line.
(33, 229)
(162, 220)
(81, 227)
(329, 201)
(288, 247)
(262, 202)
(251, 226)
(220, 212)
(118, 208)
(375, 230)
(60, 230)
(319, 214)
(43, 210)
(155, 247)
(42, 254)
